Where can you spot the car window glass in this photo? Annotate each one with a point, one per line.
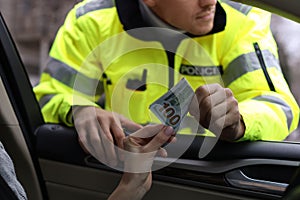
(286, 33)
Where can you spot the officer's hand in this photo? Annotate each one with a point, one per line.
(216, 109)
(99, 129)
(141, 147)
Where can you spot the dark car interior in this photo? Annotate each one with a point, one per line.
(50, 163)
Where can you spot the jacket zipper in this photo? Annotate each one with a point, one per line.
(263, 66)
(171, 62)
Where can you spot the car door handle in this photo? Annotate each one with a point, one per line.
(238, 179)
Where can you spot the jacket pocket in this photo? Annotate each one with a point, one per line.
(130, 103)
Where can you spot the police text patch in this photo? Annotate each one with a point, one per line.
(200, 71)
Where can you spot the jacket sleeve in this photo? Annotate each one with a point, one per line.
(67, 80)
(269, 114)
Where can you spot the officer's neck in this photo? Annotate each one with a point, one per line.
(152, 19)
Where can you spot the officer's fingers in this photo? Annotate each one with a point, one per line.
(230, 109)
(220, 116)
(217, 126)
(161, 138)
(233, 116)
(112, 124)
(109, 148)
(194, 108)
(210, 111)
(215, 105)
(202, 93)
(232, 102)
(205, 108)
(217, 95)
(108, 142)
(206, 90)
(83, 131)
(98, 149)
(82, 146)
(220, 96)
(129, 125)
(228, 125)
(89, 131)
(92, 141)
(118, 134)
(82, 139)
(217, 111)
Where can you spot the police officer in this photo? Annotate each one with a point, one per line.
(244, 95)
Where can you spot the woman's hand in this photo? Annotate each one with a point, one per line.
(141, 148)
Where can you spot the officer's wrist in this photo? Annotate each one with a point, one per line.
(241, 129)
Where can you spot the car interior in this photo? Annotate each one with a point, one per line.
(51, 165)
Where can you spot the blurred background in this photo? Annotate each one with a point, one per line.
(34, 23)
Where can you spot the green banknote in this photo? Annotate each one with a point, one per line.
(173, 106)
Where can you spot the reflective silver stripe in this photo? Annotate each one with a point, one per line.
(67, 75)
(92, 6)
(248, 63)
(285, 107)
(245, 9)
(45, 99)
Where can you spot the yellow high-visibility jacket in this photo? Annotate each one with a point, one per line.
(107, 48)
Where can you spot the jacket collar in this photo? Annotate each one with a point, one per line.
(131, 17)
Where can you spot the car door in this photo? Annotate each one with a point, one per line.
(51, 164)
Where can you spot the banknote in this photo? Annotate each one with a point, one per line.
(173, 106)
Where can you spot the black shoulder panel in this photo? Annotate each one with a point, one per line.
(92, 6)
